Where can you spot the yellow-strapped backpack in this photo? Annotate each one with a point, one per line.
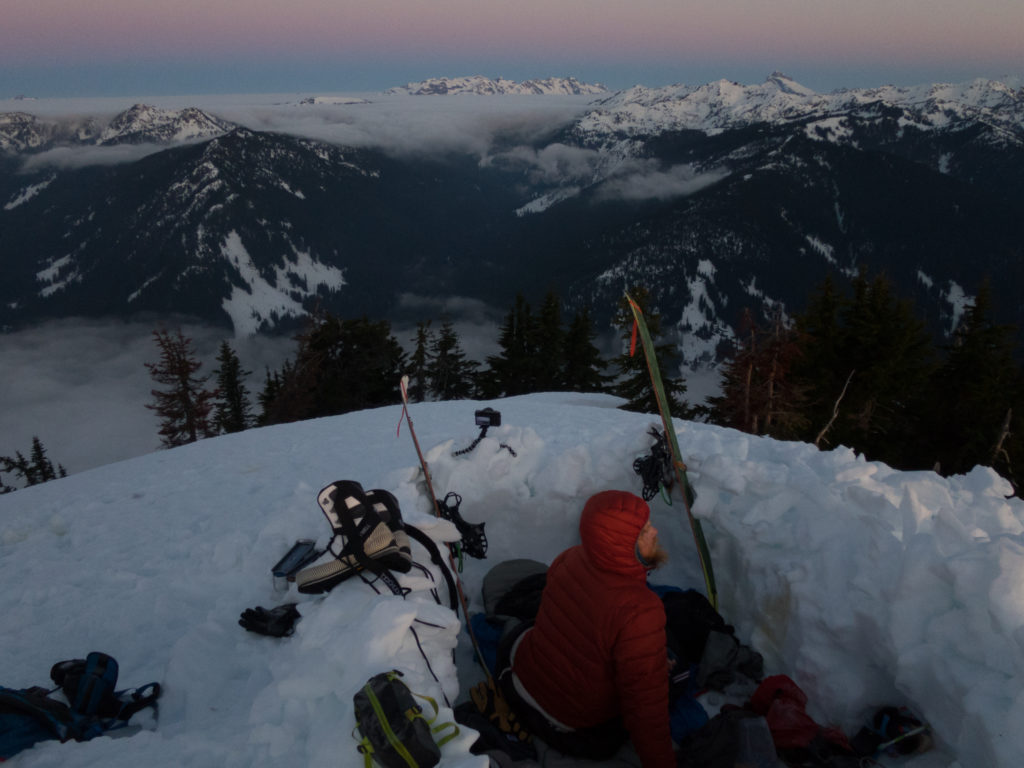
(395, 732)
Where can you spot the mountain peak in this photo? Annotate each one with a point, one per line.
(786, 84)
(142, 123)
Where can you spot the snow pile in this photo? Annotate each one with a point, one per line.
(866, 585)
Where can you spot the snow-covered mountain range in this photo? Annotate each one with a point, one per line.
(717, 197)
(141, 124)
(724, 105)
(485, 86)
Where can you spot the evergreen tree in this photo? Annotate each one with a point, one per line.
(584, 366)
(184, 407)
(418, 384)
(548, 346)
(272, 386)
(974, 397)
(233, 411)
(450, 374)
(892, 353)
(865, 363)
(820, 369)
(35, 470)
(514, 370)
(340, 366)
(634, 382)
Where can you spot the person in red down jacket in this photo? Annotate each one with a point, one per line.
(592, 671)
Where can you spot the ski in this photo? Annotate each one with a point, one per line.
(640, 328)
(404, 387)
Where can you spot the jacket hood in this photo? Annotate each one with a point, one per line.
(609, 527)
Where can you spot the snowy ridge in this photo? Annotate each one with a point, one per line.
(485, 86)
(140, 124)
(722, 105)
(20, 131)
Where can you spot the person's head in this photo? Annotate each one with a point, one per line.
(648, 551)
(610, 530)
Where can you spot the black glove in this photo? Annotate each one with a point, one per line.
(277, 622)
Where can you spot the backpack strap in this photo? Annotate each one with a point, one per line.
(355, 535)
(96, 685)
(138, 699)
(435, 557)
(54, 715)
(437, 729)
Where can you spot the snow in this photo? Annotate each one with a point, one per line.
(958, 300)
(718, 106)
(478, 85)
(866, 585)
(28, 193)
(822, 248)
(58, 274)
(261, 301)
(700, 332)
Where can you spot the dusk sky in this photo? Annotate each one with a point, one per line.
(147, 47)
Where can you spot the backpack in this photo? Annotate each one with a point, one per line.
(512, 589)
(511, 593)
(731, 738)
(799, 739)
(690, 618)
(368, 535)
(395, 733)
(31, 715)
(698, 635)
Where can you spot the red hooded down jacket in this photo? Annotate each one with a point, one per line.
(597, 649)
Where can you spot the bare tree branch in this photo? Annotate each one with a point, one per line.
(1003, 434)
(835, 412)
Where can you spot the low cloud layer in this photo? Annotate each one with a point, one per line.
(81, 387)
(645, 181)
(501, 130)
(396, 124)
(71, 158)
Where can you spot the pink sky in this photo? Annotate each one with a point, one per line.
(982, 38)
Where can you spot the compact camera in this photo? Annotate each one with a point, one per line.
(488, 417)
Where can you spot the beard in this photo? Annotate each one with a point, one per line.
(654, 559)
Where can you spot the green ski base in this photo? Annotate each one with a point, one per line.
(677, 462)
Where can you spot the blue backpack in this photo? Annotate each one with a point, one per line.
(94, 707)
